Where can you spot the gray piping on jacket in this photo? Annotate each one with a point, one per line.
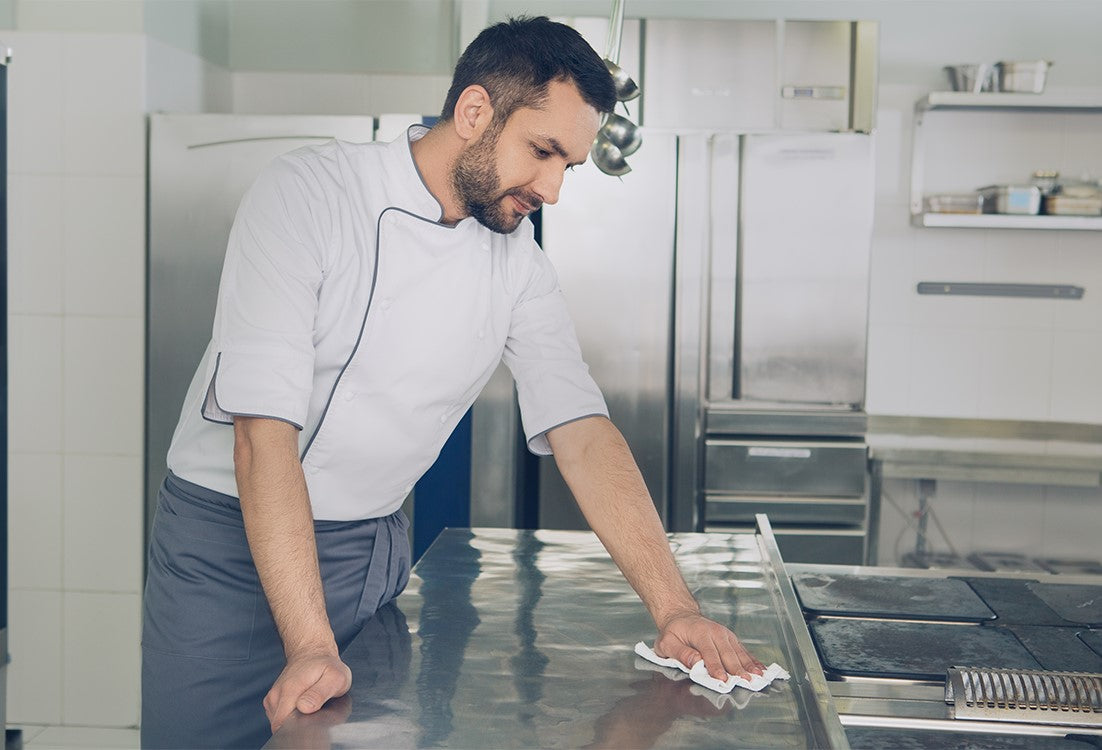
(417, 169)
(363, 323)
(561, 424)
(213, 391)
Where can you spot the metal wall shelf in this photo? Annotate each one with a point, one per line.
(1006, 221)
(960, 101)
(1015, 102)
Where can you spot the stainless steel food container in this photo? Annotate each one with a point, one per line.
(1068, 205)
(954, 203)
(973, 78)
(1011, 199)
(1022, 77)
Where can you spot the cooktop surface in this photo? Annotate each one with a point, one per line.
(1061, 649)
(890, 596)
(1013, 601)
(1075, 602)
(1092, 638)
(913, 650)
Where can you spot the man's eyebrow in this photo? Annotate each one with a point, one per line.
(558, 149)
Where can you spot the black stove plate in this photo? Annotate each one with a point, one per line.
(1092, 638)
(1061, 649)
(914, 650)
(1079, 603)
(877, 738)
(890, 596)
(1014, 602)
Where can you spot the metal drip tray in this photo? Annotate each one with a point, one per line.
(878, 738)
(1066, 698)
(943, 599)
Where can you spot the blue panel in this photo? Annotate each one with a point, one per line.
(443, 496)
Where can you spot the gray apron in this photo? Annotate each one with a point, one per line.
(210, 649)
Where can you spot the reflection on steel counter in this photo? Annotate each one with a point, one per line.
(524, 639)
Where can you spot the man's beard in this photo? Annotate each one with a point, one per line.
(478, 187)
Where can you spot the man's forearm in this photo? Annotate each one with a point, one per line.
(279, 525)
(598, 467)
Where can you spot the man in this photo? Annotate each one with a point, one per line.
(369, 292)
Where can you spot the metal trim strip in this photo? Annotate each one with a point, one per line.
(808, 682)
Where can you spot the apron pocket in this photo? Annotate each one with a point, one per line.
(201, 590)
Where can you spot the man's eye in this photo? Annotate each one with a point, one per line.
(542, 153)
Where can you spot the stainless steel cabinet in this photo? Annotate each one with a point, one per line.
(784, 467)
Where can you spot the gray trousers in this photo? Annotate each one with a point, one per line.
(210, 649)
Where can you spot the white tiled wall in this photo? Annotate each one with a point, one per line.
(77, 104)
(76, 312)
(993, 358)
(337, 94)
(997, 358)
(179, 81)
(1032, 520)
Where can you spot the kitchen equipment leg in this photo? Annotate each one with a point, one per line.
(872, 524)
(927, 488)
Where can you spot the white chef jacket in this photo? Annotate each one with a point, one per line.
(346, 309)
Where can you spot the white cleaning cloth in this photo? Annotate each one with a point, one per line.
(699, 673)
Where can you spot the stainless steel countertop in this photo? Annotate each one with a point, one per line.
(987, 450)
(524, 639)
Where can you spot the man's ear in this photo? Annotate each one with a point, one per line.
(473, 112)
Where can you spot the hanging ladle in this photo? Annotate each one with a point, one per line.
(626, 88)
(608, 158)
(618, 137)
(621, 133)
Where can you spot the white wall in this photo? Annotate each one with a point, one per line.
(80, 84)
(987, 357)
(273, 93)
(76, 318)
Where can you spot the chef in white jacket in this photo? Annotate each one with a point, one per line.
(369, 292)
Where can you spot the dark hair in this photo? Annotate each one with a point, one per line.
(516, 60)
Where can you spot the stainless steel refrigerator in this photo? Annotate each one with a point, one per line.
(720, 296)
(200, 165)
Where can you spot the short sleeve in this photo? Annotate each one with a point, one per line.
(542, 352)
(268, 298)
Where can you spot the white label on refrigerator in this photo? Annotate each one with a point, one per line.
(761, 452)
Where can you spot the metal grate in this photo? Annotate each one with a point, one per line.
(1071, 698)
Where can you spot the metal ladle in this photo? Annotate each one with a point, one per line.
(608, 158)
(618, 137)
(622, 133)
(626, 88)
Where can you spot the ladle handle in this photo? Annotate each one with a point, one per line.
(615, 31)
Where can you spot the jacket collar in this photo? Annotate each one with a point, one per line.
(409, 188)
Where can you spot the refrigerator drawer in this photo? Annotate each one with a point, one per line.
(810, 510)
(843, 546)
(825, 469)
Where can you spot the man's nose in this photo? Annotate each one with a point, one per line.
(548, 184)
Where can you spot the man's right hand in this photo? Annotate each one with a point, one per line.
(306, 683)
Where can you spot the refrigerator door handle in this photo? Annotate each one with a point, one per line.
(736, 342)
